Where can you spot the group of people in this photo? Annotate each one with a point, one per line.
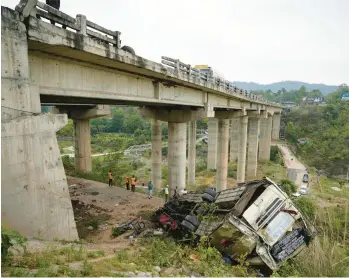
(133, 181)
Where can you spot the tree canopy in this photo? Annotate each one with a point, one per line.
(327, 127)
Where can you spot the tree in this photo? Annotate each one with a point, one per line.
(133, 122)
(67, 130)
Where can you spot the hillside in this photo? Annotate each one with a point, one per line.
(327, 128)
(287, 85)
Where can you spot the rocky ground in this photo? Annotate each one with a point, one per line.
(98, 207)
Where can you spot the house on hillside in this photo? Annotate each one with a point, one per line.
(345, 96)
(303, 141)
(289, 104)
(313, 100)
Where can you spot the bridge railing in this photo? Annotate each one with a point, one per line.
(80, 24)
(83, 26)
(222, 84)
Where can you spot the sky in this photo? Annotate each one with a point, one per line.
(245, 40)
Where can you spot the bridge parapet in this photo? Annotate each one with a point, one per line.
(85, 34)
(222, 84)
(80, 24)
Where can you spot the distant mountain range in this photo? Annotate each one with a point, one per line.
(288, 85)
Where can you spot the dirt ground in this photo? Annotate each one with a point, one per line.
(98, 206)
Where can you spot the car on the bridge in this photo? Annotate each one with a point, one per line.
(256, 221)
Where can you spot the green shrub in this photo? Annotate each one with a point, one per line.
(10, 238)
(232, 170)
(288, 186)
(306, 206)
(68, 163)
(276, 156)
(201, 165)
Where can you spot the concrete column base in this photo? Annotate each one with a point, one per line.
(212, 144)
(265, 139)
(242, 149)
(191, 152)
(82, 139)
(252, 150)
(176, 156)
(35, 197)
(276, 126)
(222, 160)
(234, 139)
(156, 154)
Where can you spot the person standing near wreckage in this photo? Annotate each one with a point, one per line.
(150, 189)
(166, 193)
(127, 183)
(110, 178)
(133, 184)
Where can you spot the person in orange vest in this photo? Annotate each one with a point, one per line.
(110, 178)
(127, 183)
(133, 184)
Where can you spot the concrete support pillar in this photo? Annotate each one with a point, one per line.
(252, 150)
(82, 138)
(212, 143)
(191, 152)
(242, 149)
(276, 126)
(222, 158)
(35, 197)
(265, 139)
(234, 139)
(176, 156)
(156, 154)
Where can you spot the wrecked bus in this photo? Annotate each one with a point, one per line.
(256, 221)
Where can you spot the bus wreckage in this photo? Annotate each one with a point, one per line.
(256, 221)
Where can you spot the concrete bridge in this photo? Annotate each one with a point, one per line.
(82, 68)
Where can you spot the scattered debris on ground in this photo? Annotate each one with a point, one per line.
(112, 206)
(256, 220)
(126, 234)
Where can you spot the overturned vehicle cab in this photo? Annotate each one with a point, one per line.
(256, 221)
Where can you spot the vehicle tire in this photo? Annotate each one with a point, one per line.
(193, 220)
(211, 192)
(128, 49)
(188, 225)
(208, 198)
(265, 271)
(201, 211)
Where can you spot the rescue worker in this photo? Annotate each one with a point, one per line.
(166, 193)
(150, 188)
(133, 184)
(127, 183)
(110, 178)
(175, 194)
